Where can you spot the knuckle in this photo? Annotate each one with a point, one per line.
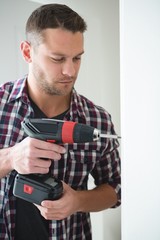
(57, 156)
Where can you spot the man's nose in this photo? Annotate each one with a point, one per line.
(68, 69)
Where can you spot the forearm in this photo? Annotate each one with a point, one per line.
(5, 162)
(97, 199)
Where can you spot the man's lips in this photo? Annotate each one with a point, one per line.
(66, 81)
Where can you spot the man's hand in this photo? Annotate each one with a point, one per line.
(27, 156)
(62, 208)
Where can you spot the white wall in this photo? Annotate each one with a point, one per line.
(99, 75)
(140, 117)
(13, 15)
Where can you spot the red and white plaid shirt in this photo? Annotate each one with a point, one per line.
(100, 159)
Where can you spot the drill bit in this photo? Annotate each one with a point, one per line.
(102, 135)
(97, 135)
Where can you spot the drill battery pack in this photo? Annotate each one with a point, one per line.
(35, 188)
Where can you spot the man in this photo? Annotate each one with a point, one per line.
(53, 51)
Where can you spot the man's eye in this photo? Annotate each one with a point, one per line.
(77, 59)
(57, 59)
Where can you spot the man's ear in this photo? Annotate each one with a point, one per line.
(26, 51)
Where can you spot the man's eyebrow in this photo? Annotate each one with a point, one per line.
(80, 53)
(63, 55)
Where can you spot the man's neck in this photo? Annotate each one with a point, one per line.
(51, 105)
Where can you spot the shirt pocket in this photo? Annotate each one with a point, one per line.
(80, 164)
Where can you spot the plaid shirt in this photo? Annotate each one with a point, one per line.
(100, 159)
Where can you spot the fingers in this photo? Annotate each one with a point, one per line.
(47, 150)
(47, 214)
(44, 154)
(61, 208)
(52, 213)
(30, 153)
(41, 149)
(47, 146)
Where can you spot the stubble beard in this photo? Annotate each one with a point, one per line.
(51, 87)
(51, 90)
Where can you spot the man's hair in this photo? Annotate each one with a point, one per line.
(53, 16)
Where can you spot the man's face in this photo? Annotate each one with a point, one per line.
(55, 63)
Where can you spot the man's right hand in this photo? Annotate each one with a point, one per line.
(27, 156)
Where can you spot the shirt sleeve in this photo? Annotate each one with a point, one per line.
(107, 169)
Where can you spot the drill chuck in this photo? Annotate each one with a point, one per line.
(84, 133)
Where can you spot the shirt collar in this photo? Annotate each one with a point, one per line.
(19, 90)
(76, 107)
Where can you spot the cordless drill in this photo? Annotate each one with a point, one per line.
(38, 187)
